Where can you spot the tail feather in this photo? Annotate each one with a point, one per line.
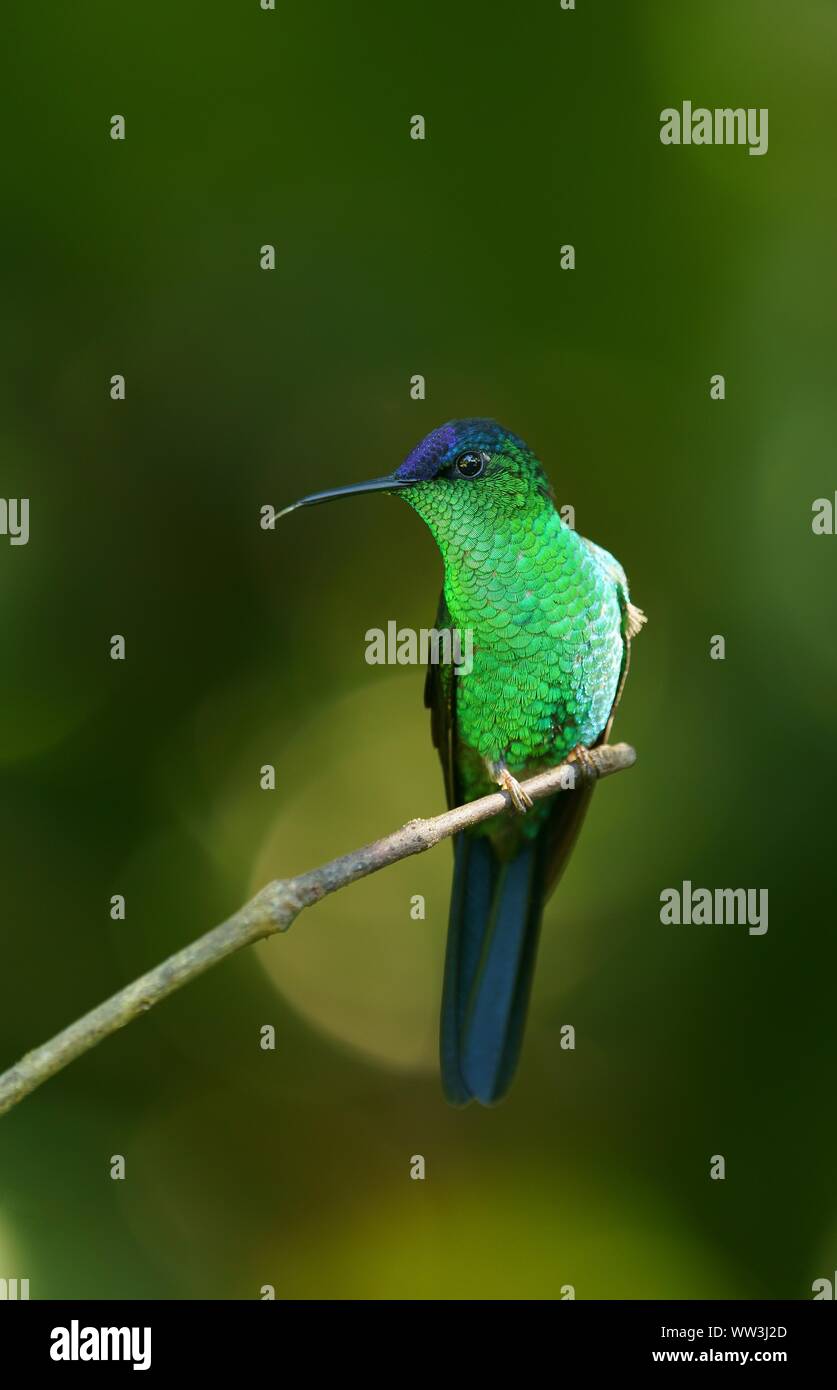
(474, 874)
(505, 970)
(494, 924)
(495, 920)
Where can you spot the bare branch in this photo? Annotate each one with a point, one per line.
(273, 910)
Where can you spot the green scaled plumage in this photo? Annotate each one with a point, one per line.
(550, 620)
(545, 609)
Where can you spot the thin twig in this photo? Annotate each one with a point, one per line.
(273, 910)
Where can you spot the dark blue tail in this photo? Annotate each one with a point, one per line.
(492, 941)
(495, 921)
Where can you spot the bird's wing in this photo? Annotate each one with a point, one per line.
(440, 699)
(560, 833)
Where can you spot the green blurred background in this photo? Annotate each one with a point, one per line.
(246, 387)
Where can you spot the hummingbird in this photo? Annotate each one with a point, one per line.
(551, 622)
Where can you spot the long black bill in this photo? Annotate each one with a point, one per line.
(391, 484)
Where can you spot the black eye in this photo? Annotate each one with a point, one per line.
(470, 464)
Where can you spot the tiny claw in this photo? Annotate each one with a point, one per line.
(520, 799)
(581, 754)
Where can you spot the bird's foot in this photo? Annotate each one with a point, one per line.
(520, 799)
(581, 754)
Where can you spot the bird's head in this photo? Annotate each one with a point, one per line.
(464, 472)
